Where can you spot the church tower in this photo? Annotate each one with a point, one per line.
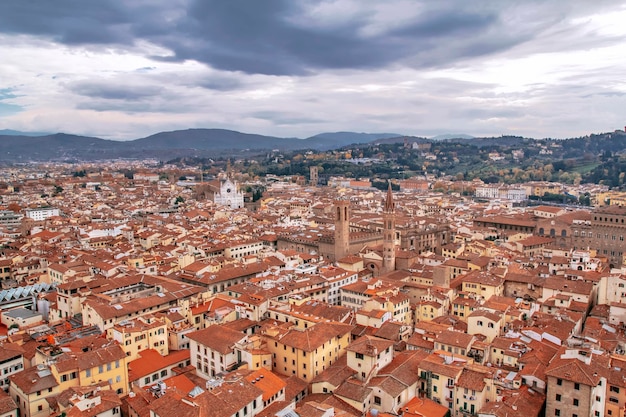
(342, 228)
(314, 175)
(389, 233)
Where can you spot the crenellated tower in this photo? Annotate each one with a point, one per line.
(342, 228)
(389, 233)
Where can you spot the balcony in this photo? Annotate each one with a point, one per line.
(235, 366)
(466, 412)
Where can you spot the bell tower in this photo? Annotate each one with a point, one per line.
(342, 228)
(389, 233)
(314, 175)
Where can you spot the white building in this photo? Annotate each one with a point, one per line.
(213, 350)
(11, 362)
(501, 192)
(229, 193)
(41, 213)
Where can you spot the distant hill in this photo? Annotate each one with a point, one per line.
(10, 132)
(53, 147)
(399, 139)
(211, 139)
(210, 143)
(452, 136)
(166, 145)
(483, 142)
(340, 139)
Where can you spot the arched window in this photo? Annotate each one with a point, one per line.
(563, 233)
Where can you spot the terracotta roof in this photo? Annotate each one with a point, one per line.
(335, 374)
(9, 351)
(314, 337)
(368, 345)
(108, 401)
(267, 382)
(218, 338)
(90, 359)
(36, 378)
(420, 407)
(576, 370)
(454, 338)
(353, 390)
(151, 361)
(7, 404)
(471, 379)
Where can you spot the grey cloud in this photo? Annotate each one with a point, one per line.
(250, 37)
(69, 21)
(219, 83)
(113, 91)
(285, 118)
(511, 112)
(162, 106)
(267, 37)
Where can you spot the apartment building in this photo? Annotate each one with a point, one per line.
(482, 284)
(41, 213)
(439, 374)
(31, 389)
(99, 364)
(473, 390)
(147, 332)
(306, 353)
(124, 298)
(11, 362)
(604, 232)
(215, 350)
(576, 384)
(367, 355)
(151, 367)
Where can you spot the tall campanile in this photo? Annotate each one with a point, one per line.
(389, 233)
(342, 228)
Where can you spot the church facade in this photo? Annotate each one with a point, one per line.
(228, 193)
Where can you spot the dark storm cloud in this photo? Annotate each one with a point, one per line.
(263, 37)
(283, 37)
(69, 21)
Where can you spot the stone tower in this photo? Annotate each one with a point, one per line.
(342, 228)
(314, 175)
(389, 233)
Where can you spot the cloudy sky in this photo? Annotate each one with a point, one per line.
(121, 69)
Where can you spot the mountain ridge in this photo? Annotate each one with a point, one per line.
(196, 142)
(202, 142)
